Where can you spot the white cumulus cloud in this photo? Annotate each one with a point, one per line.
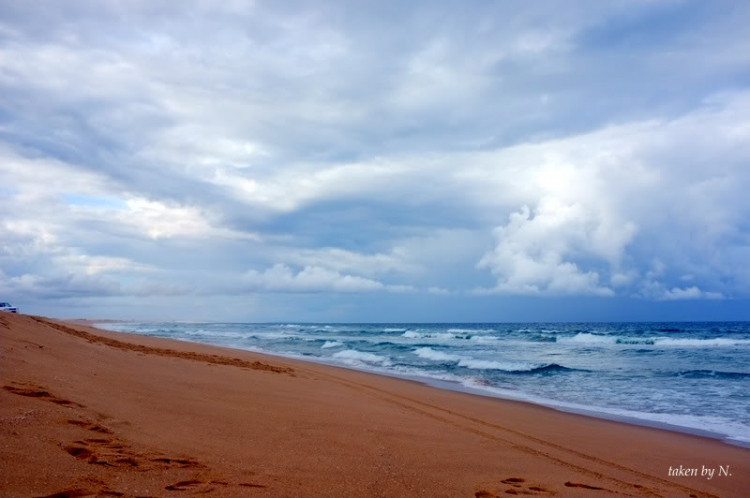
(281, 278)
(537, 253)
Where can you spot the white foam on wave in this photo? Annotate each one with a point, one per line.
(268, 334)
(354, 356)
(484, 339)
(143, 330)
(394, 330)
(719, 341)
(496, 365)
(129, 327)
(436, 336)
(411, 334)
(729, 428)
(469, 331)
(331, 344)
(473, 363)
(589, 338)
(431, 354)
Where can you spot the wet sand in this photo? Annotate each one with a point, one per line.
(85, 412)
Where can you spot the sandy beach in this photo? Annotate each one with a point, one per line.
(84, 412)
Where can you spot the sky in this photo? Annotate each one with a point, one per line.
(350, 161)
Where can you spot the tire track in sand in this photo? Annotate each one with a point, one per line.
(525, 443)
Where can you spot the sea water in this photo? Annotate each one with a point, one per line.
(691, 376)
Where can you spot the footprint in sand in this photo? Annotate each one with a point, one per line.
(205, 487)
(39, 392)
(251, 485)
(71, 493)
(518, 487)
(584, 486)
(184, 485)
(116, 453)
(183, 463)
(92, 426)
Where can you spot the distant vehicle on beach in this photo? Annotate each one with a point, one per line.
(7, 307)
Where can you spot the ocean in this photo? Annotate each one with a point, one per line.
(691, 376)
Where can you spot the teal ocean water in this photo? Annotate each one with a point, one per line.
(691, 376)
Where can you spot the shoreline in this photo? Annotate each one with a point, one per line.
(239, 424)
(457, 386)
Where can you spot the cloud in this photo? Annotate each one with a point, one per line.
(611, 201)
(281, 278)
(24, 242)
(71, 286)
(653, 288)
(530, 255)
(688, 293)
(158, 220)
(341, 260)
(58, 287)
(438, 291)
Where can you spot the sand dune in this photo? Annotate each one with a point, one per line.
(85, 412)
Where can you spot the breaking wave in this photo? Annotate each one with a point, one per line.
(596, 339)
(479, 364)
